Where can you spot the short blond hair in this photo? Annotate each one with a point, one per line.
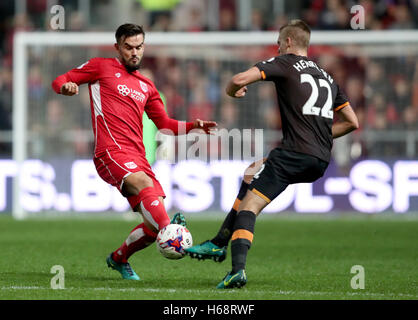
(298, 31)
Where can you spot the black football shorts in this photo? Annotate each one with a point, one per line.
(284, 167)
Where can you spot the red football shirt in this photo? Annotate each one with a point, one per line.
(118, 99)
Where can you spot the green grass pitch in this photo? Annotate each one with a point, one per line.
(291, 258)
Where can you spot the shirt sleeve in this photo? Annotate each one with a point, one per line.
(156, 112)
(341, 100)
(272, 69)
(86, 73)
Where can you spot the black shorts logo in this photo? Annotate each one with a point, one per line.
(257, 174)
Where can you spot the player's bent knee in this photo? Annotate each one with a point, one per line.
(135, 182)
(252, 202)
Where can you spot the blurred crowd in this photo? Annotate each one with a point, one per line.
(383, 89)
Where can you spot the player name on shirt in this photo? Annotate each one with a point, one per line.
(303, 64)
(307, 97)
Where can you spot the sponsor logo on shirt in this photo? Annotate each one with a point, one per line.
(125, 91)
(130, 165)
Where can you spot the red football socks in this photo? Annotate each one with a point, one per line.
(139, 238)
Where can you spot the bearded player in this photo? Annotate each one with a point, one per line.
(119, 95)
(308, 98)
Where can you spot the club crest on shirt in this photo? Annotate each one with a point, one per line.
(144, 86)
(130, 165)
(117, 75)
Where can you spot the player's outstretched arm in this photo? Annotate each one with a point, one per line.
(347, 122)
(237, 86)
(155, 110)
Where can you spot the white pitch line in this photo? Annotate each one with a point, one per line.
(196, 291)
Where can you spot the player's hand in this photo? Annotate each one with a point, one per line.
(241, 92)
(208, 126)
(69, 89)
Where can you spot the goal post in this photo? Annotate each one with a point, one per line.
(389, 43)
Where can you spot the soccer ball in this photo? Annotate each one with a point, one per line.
(172, 240)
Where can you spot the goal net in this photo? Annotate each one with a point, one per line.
(53, 142)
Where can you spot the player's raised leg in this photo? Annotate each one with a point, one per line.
(216, 248)
(145, 199)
